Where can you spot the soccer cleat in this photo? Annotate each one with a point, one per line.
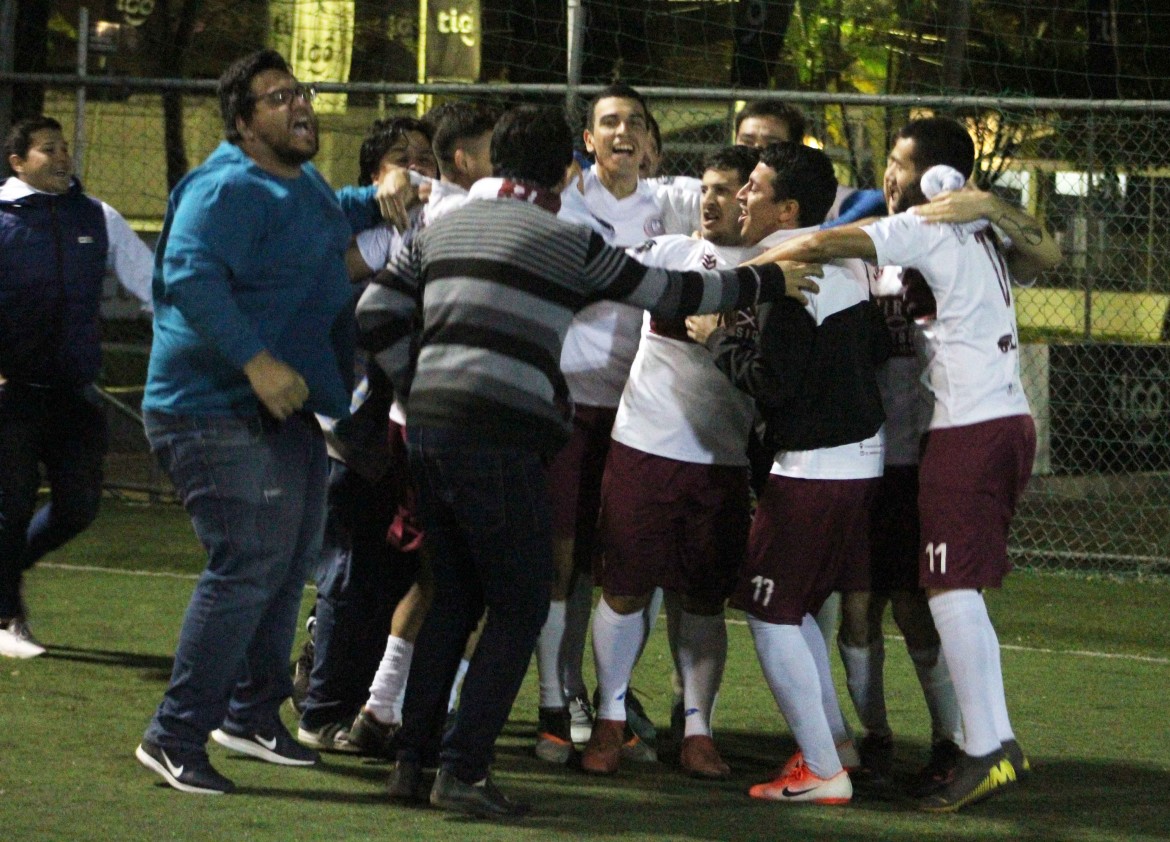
(974, 779)
(554, 742)
(639, 720)
(876, 752)
(699, 758)
(16, 641)
(581, 716)
(192, 774)
(847, 755)
(611, 742)
(332, 736)
(369, 736)
(802, 785)
(938, 771)
(482, 799)
(277, 746)
(1020, 761)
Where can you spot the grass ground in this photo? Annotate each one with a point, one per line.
(1087, 663)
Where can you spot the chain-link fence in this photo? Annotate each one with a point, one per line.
(1095, 362)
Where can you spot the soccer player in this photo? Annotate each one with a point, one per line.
(613, 200)
(813, 374)
(978, 453)
(487, 405)
(674, 510)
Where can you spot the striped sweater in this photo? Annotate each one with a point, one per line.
(499, 281)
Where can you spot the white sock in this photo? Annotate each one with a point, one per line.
(702, 654)
(863, 677)
(577, 609)
(389, 685)
(460, 674)
(650, 615)
(617, 639)
(999, 711)
(811, 632)
(935, 678)
(548, 656)
(791, 673)
(970, 648)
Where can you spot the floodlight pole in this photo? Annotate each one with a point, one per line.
(575, 26)
(82, 63)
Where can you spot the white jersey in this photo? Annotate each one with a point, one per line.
(445, 197)
(603, 338)
(972, 346)
(676, 402)
(845, 283)
(905, 398)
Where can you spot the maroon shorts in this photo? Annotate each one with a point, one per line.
(574, 480)
(676, 525)
(969, 482)
(809, 538)
(893, 531)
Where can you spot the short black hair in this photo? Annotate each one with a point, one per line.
(791, 116)
(460, 121)
(381, 136)
(619, 91)
(940, 140)
(20, 135)
(235, 88)
(742, 159)
(804, 174)
(534, 144)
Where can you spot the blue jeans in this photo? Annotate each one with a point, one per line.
(65, 430)
(255, 492)
(364, 580)
(486, 513)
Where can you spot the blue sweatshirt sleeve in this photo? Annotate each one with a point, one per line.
(359, 207)
(214, 225)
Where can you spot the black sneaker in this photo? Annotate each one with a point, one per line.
(275, 746)
(975, 779)
(639, 721)
(332, 736)
(406, 781)
(1020, 761)
(193, 774)
(938, 771)
(877, 754)
(373, 738)
(483, 799)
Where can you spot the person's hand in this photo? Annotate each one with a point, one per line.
(958, 206)
(278, 386)
(699, 328)
(394, 195)
(798, 278)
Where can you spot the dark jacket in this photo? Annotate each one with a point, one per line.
(52, 263)
(815, 385)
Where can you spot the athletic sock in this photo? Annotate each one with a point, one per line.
(863, 677)
(829, 618)
(548, 656)
(389, 685)
(702, 655)
(999, 711)
(811, 632)
(650, 616)
(460, 674)
(964, 630)
(945, 720)
(791, 673)
(617, 639)
(577, 609)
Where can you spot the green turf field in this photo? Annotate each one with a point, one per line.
(1087, 665)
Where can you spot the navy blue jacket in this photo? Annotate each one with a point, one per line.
(52, 262)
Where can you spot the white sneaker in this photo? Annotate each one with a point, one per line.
(16, 641)
(581, 717)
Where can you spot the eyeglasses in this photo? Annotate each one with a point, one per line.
(283, 96)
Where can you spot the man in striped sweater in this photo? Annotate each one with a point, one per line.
(488, 406)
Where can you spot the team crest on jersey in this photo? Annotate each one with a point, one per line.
(708, 260)
(654, 227)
